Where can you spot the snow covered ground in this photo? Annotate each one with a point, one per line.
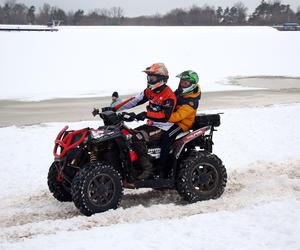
(260, 146)
(259, 209)
(94, 61)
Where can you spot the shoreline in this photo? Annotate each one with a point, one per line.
(271, 91)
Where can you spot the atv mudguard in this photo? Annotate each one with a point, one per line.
(179, 145)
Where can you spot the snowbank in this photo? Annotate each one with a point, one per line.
(259, 209)
(94, 61)
(271, 226)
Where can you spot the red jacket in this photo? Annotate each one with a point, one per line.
(161, 103)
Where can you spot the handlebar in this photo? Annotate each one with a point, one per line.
(107, 109)
(124, 116)
(127, 117)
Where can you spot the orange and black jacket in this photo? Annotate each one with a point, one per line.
(162, 102)
(186, 109)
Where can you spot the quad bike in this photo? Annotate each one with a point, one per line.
(92, 165)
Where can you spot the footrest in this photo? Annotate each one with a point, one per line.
(155, 183)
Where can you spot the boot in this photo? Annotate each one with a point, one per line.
(127, 184)
(162, 172)
(147, 166)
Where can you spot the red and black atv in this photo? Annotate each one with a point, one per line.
(92, 165)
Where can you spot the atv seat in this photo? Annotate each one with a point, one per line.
(201, 120)
(182, 134)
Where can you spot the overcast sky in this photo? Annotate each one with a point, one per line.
(143, 7)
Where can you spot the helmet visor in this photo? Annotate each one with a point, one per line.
(152, 79)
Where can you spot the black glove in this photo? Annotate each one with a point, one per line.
(141, 116)
(95, 112)
(107, 109)
(128, 117)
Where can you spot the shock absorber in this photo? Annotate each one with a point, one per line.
(93, 156)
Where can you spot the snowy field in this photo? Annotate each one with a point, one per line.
(93, 61)
(260, 208)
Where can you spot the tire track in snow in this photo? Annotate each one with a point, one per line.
(24, 217)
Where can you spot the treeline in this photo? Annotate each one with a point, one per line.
(266, 13)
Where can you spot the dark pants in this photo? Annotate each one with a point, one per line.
(166, 142)
(143, 135)
(149, 133)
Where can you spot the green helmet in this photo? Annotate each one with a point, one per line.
(190, 76)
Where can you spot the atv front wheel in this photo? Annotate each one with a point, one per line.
(60, 189)
(97, 188)
(202, 176)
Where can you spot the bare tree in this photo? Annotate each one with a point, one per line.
(18, 14)
(176, 17)
(266, 13)
(241, 13)
(116, 12)
(77, 17)
(44, 14)
(298, 14)
(1, 15)
(58, 14)
(103, 12)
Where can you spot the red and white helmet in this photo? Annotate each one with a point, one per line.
(157, 75)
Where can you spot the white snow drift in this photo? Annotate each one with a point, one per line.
(91, 61)
(261, 200)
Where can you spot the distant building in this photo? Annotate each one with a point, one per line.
(288, 26)
(291, 26)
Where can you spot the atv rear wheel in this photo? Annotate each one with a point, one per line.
(97, 188)
(60, 189)
(202, 176)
